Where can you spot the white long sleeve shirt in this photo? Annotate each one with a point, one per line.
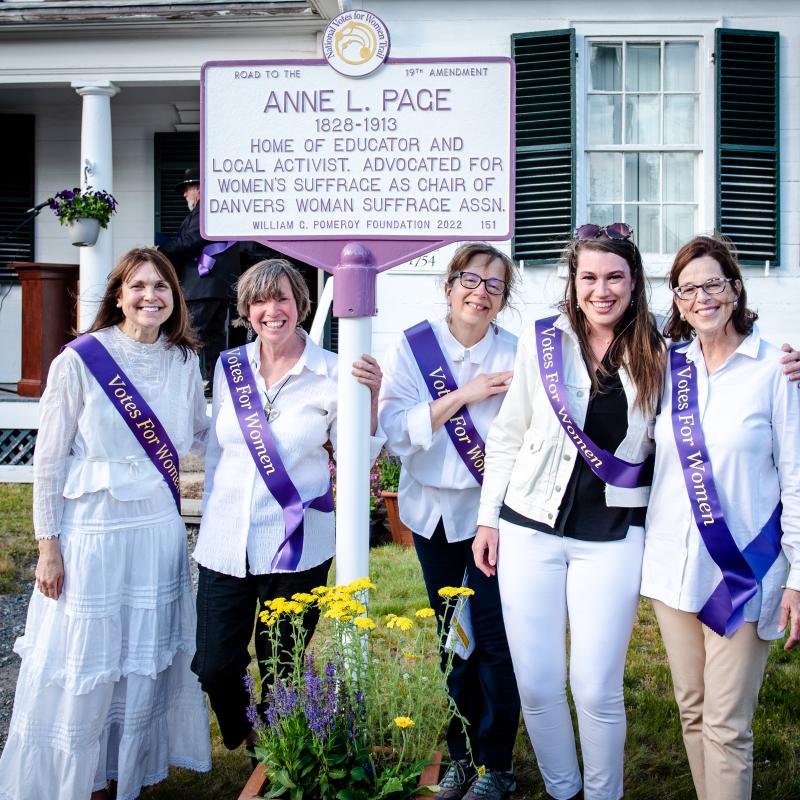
(434, 482)
(242, 524)
(84, 447)
(751, 421)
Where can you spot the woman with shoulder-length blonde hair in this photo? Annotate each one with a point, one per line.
(722, 554)
(268, 528)
(105, 691)
(562, 508)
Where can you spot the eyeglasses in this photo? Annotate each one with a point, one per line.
(619, 231)
(711, 286)
(469, 280)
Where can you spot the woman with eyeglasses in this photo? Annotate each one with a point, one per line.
(568, 463)
(443, 384)
(726, 484)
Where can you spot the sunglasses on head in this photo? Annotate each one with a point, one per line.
(620, 231)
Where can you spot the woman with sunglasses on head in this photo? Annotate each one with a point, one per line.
(565, 491)
(727, 481)
(443, 384)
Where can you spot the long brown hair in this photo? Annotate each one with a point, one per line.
(637, 344)
(177, 328)
(723, 251)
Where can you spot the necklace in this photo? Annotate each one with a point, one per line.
(273, 412)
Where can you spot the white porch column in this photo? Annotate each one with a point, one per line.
(96, 170)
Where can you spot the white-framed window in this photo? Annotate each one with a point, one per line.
(643, 138)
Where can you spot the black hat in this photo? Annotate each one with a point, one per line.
(190, 176)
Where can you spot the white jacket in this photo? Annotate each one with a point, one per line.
(529, 458)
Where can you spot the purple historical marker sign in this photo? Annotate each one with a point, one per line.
(398, 162)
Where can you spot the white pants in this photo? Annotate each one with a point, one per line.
(546, 580)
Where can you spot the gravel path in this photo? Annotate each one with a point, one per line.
(13, 609)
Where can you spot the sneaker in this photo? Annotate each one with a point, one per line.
(456, 781)
(494, 784)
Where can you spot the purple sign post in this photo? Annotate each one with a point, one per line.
(356, 163)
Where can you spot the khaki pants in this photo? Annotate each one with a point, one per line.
(716, 683)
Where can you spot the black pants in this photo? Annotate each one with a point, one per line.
(209, 320)
(226, 606)
(483, 687)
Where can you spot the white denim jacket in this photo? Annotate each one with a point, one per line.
(529, 458)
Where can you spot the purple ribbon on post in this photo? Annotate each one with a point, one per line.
(208, 258)
(135, 412)
(608, 467)
(269, 465)
(440, 381)
(742, 570)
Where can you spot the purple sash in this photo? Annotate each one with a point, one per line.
(608, 467)
(439, 380)
(261, 444)
(742, 571)
(135, 412)
(207, 259)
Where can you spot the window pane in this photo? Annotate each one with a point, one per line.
(680, 67)
(642, 68)
(605, 177)
(678, 227)
(680, 119)
(605, 214)
(679, 177)
(641, 119)
(604, 125)
(644, 221)
(641, 177)
(605, 67)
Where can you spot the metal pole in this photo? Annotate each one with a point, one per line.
(354, 304)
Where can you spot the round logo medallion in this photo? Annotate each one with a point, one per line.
(355, 43)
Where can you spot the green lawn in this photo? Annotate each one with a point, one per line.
(656, 766)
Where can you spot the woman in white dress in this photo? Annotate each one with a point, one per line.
(104, 690)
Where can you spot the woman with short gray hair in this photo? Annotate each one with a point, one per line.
(267, 529)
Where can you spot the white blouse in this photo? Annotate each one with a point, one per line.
(751, 422)
(83, 445)
(434, 481)
(242, 524)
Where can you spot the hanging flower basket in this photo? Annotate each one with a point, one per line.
(83, 212)
(83, 231)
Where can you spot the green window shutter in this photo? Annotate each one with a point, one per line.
(544, 213)
(18, 140)
(748, 138)
(173, 154)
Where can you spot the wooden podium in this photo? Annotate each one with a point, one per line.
(49, 315)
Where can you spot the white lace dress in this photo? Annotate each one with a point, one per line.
(105, 690)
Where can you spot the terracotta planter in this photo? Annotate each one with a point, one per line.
(83, 232)
(258, 780)
(400, 534)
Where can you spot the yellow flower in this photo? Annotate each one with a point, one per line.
(404, 623)
(410, 656)
(481, 771)
(304, 597)
(359, 584)
(293, 607)
(455, 591)
(365, 623)
(404, 722)
(321, 590)
(423, 613)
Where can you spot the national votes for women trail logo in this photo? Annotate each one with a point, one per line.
(355, 43)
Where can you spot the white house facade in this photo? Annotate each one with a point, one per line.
(676, 119)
